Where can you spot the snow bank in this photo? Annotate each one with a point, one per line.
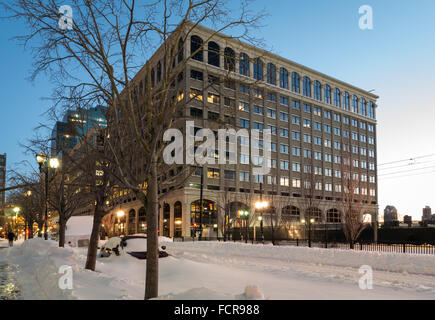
(79, 228)
(240, 253)
(251, 293)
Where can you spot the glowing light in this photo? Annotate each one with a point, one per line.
(120, 213)
(40, 158)
(261, 205)
(54, 163)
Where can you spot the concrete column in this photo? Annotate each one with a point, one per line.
(171, 221)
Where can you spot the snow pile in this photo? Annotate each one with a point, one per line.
(251, 293)
(239, 253)
(78, 228)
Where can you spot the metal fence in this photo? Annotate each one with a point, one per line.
(362, 246)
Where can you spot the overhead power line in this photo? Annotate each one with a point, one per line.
(409, 159)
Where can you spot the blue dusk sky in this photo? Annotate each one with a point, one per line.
(396, 59)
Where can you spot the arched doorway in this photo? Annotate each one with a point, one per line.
(178, 219)
(208, 218)
(131, 222)
(166, 220)
(142, 221)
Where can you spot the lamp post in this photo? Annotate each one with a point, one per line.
(310, 221)
(261, 206)
(245, 216)
(46, 163)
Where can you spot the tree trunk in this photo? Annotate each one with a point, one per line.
(91, 259)
(152, 269)
(62, 227)
(30, 228)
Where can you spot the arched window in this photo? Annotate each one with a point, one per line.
(363, 107)
(296, 82)
(244, 64)
(229, 59)
(214, 54)
(132, 222)
(291, 214)
(317, 91)
(346, 101)
(196, 48)
(159, 72)
(355, 103)
(209, 213)
(307, 87)
(166, 219)
(142, 221)
(337, 98)
(271, 73)
(180, 50)
(283, 78)
(371, 110)
(313, 213)
(328, 94)
(258, 69)
(333, 216)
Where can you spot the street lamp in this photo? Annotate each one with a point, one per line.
(245, 214)
(261, 206)
(52, 163)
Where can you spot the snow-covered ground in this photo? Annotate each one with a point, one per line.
(212, 270)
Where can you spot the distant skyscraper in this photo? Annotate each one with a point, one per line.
(427, 215)
(390, 216)
(76, 123)
(2, 180)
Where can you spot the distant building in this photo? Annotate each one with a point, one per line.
(76, 123)
(428, 217)
(390, 217)
(2, 181)
(407, 220)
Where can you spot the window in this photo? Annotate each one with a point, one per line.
(271, 97)
(296, 120)
(283, 148)
(283, 165)
(285, 182)
(258, 93)
(273, 146)
(196, 113)
(258, 69)
(327, 114)
(296, 82)
(230, 175)
(337, 131)
(328, 187)
(244, 176)
(284, 100)
(229, 102)
(346, 101)
(337, 117)
(284, 133)
(271, 73)
(317, 90)
(196, 48)
(317, 155)
(244, 106)
(307, 138)
(244, 123)
(259, 110)
(317, 111)
(296, 183)
(213, 173)
(213, 98)
(307, 154)
(244, 159)
(363, 107)
(307, 123)
(244, 64)
(296, 151)
(229, 59)
(283, 116)
(317, 141)
(328, 94)
(271, 113)
(195, 94)
(258, 126)
(307, 108)
(196, 75)
(272, 129)
(244, 88)
(327, 143)
(371, 112)
(327, 128)
(355, 103)
(337, 98)
(258, 178)
(230, 84)
(295, 135)
(307, 87)
(214, 54)
(296, 105)
(283, 78)
(317, 126)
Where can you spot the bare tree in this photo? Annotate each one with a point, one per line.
(97, 56)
